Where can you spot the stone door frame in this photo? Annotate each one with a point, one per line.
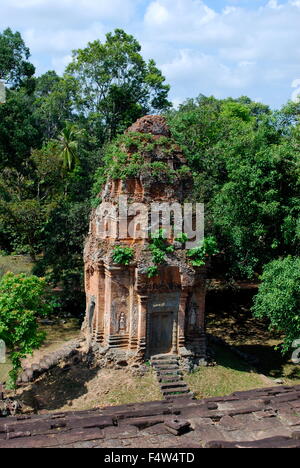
(173, 331)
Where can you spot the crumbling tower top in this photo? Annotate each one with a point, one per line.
(154, 124)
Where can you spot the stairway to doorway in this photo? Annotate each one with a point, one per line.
(170, 376)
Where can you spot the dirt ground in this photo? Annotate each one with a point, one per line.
(79, 388)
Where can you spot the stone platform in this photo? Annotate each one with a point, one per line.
(262, 418)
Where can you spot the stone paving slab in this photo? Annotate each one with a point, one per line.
(259, 418)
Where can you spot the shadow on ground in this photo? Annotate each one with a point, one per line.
(58, 388)
(229, 317)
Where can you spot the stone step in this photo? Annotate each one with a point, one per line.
(170, 385)
(119, 346)
(169, 379)
(166, 367)
(183, 395)
(164, 363)
(176, 390)
(161, 357)
(170, 373)
(123, 340)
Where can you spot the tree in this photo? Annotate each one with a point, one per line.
(115, 85)
(14, 66)
(245, 171)
(62, 263)
(278, 298)
(24, 223)
(68, 144)
(19, 132)
(22, 301)
(26, 201)
(53, 103)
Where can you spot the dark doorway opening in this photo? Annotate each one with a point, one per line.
(161, 332)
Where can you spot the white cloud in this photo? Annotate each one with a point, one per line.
(92, 9)
(178, 17)
(234, 51)
(59, 63)
(296, 93)
(275, 5)
(229, 9)
(156, 14)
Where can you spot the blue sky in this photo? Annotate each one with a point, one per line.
(214, 47)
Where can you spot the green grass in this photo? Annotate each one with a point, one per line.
(230, 374)
(4, 369)
(82, 388)
(15, 264)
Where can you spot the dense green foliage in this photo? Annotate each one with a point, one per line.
(14, 55)
(22, 301)
(278, 298)
(159, 248)
(116, 86)
(245, 160)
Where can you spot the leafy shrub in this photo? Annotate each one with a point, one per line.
(159, 248)
(125, 158)
(152, 271)
(198, 255)
(22, 301)
(278, 298)
(123, 255)
(182, 238)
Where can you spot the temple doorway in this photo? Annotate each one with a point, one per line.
(161, 332)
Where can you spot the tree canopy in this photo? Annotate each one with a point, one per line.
(246, 171)
(278, 299)
(115, 85)
(15, 68)
(22, 301)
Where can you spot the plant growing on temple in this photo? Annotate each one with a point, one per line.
(152, 271)
(182, 238)
(22, 300)
(278, 298)
(198, 255)
(159, 248)
(123, 255)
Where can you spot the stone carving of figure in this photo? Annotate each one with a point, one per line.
(2, 352)
(122, 324)
(91, 314)
(193, 317)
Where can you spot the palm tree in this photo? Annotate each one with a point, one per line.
(68, 145)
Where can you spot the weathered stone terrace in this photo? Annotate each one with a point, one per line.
(262, 418)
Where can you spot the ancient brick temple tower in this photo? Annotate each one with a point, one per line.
(130, 315)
